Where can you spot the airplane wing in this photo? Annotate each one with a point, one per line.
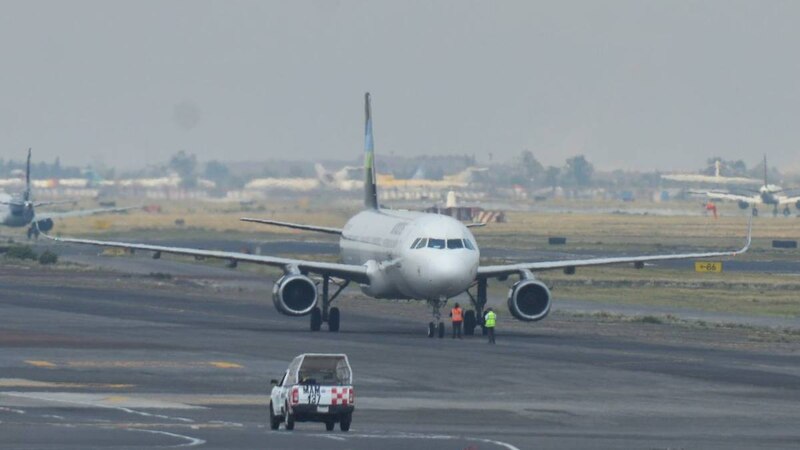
(716, 195)
(81, 213)
(510, 269)
(351, 272)
(789, 200)
(297, 226)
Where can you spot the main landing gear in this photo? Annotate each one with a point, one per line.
(33, 232)
(474, 318)
(328, 314)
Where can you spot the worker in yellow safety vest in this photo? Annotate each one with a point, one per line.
(489, 321)
(457, 315)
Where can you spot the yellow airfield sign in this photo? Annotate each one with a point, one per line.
(708, 266)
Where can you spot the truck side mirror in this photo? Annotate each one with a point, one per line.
(273, 382)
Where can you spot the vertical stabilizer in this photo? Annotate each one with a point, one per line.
(26, 196)
(370, 188)
(765, 171)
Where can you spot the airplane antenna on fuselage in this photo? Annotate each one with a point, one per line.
(370, 188)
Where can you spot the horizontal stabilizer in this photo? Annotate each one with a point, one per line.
(297, 226)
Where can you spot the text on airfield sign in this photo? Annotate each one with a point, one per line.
(707, 266)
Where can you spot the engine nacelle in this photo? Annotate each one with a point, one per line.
(294, 295)
(529, 300)
(45, 225)
(743, 205)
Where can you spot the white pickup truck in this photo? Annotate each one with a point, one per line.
(317, 387)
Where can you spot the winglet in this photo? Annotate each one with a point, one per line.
(370, 188)
(748, 239)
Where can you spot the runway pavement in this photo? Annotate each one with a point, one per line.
(92, 359)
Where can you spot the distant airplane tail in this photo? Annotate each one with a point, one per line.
(370, 188)
(26, 196)
(766, 183)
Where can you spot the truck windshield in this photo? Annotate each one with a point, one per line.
(325, 370)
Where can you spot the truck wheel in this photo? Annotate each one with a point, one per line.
(344, 424)
(329, 425)
(274, 421)
(333, 319)
(289, 419)
(441, 330)
(431, 329)
(469, 323)
(316, 319)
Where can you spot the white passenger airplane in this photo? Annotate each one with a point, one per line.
(767, 194)
(402, 255)
(21, 211)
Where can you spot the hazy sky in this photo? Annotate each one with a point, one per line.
(639, 84)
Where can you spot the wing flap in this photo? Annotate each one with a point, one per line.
(296, 226)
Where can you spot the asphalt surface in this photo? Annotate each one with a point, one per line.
(93, 359)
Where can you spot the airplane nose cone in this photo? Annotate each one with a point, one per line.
(448, 275)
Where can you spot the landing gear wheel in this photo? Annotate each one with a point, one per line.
(344, 424)
(786, 212)
(329, 425)
(316, 319)
(333, 320)
(274, 421)
(469, 323)
(431, 329)
(440, 330)
(755, 212)
(289, 420)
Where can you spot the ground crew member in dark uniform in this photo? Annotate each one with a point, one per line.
(489, 321)
(458, 319)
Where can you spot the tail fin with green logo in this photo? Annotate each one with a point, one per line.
(370, 188)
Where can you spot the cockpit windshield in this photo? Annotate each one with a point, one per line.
(441, 244)
(436, 243)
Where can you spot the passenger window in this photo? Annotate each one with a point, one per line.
(455, 243)
(436, 243)
(416, 241)
(468, 244)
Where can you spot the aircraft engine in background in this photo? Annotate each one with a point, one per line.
(294, 295)
(45, 225)
(529, 300)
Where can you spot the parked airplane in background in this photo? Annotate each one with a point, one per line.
(768, 194)
(21, 211)
(396, 254)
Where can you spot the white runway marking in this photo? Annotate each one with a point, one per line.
(442, 437)
(13, 410)
(192, 441)
(75, 401)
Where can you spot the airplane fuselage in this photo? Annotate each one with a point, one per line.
(15, 215)
(411, 255)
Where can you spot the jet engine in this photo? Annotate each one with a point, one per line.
(529, 300)
(294, 295)
(743, 205)
(45, 225)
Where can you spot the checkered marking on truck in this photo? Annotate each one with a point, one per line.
(339, 396)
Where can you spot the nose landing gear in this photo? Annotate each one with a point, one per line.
(434, 328)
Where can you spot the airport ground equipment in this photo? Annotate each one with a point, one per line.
(317, 387)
